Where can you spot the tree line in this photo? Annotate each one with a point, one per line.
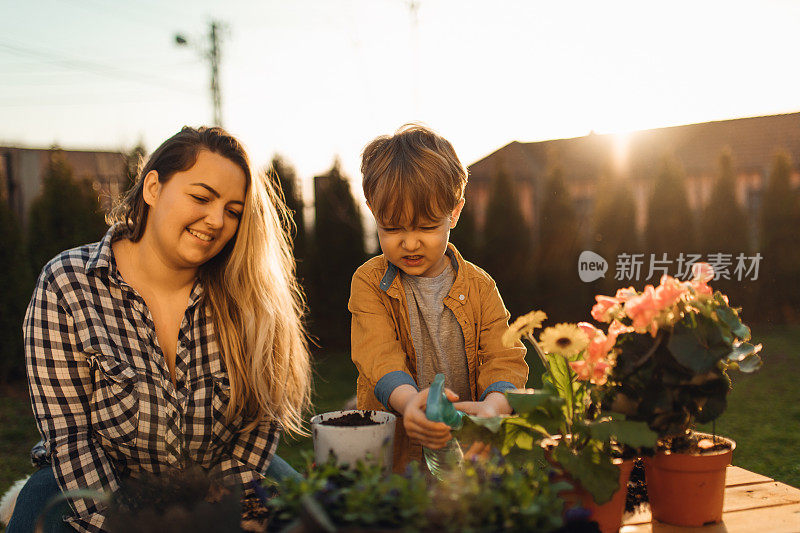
(538, 268)
(533, 267)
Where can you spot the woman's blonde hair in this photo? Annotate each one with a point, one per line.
(250, 286)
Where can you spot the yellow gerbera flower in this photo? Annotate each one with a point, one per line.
(524, 325)
(564, 339)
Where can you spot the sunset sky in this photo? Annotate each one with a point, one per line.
(313, 79)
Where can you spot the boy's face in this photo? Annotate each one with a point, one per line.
(418, 251)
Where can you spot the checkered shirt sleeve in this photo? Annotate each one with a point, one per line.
(60, 386)
(250, 455)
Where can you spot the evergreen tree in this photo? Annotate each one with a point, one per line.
(669, 218)
(17, 285)
(559, 290)
(287, 180)
(614, 229)
(724, 222)
(65, 214)
(465, 235)
(780, 244)
(338, 249)
(508, 248)
(724, 230)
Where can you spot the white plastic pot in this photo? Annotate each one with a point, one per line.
(350, 444)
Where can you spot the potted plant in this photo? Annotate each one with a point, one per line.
(481, 496)
(354, 435)
(561, 423)
(674, 347)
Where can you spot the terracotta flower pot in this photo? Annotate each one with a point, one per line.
(687, 489)
(608, 515)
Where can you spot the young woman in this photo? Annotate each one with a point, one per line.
(175, 340)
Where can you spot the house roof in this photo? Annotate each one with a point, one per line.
(753, 143)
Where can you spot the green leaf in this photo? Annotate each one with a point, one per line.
(493, 423)
(697, 346)
(591, 467)
(478, 429)
(731, 319)
(631, 433)
(743, 350)
(750, 364)
(520, 432)
(523, 402)
(560, 373)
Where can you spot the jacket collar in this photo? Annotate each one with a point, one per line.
(456, 260)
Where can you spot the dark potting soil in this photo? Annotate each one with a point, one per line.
(695, 444)
(351, 420)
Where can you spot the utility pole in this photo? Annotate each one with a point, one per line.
(213, 57)
(210, 51)
(413, 8)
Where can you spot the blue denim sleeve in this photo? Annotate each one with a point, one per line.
(497, 386)
(389, 382)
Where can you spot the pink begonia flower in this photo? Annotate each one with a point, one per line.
(594, 371)
(602, 310)
(616, 329)
(623, 295)
(703, 273)
(599, 344)
(642, 309)
(668, 292)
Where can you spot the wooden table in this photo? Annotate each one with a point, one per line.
(753, 503)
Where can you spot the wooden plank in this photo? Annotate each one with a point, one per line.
(740, 476)
(759, 495)
(739, 498)
(775, 519)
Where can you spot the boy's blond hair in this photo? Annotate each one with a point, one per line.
(412, 176)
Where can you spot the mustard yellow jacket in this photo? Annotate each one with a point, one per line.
(383, 351)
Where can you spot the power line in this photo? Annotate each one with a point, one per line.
(85, 102)
(94, 68)
(124, 12)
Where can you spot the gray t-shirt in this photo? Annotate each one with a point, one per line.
(435, 332)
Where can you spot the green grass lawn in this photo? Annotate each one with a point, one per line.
(763, 415)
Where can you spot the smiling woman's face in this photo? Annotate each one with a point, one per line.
(195, 213)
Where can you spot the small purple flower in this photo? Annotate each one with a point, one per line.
(577, 514)
(260, 492)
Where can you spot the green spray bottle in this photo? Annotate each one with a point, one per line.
(440, 409)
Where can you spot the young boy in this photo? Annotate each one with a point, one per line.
(419, 308)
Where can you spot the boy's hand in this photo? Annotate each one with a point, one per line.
(411, 404)
(495, 404)
(478, 451)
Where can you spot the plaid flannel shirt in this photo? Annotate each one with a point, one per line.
(102, 395)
